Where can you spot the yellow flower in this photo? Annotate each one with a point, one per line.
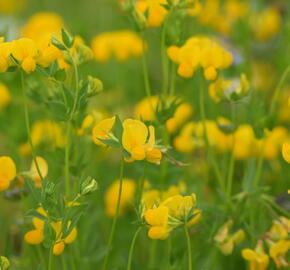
(43, 167)
(278, 253)
(280, 229)
(157, 218)
(5, 96)
(5, 50)
(36, 236)
(122, 45)
(266, 24)
(87, 122)
(155, 10)
(44, 131)
(257, 259)
(229, 90)
(102, 130)
(134, 140)
(11, 6)
(200, 51)
(286, 152)
(127, 196)
(7, 172)
(25, 51)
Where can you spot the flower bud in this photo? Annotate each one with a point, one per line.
(89, 186)
(95, 86)
(4, 263)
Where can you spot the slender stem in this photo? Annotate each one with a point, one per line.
(145, 70)
(77, 88)
(153, 251)
(41, 257)
(50, 259)
(132, 248)
(279, 88)
(188, 248)
(66, 157)
(168, 253)
(141, 186)
(164, 60)
(207, 144)
(27, 123)
(173, 79)
(63, 261)
(111, 237)
(259, 165)
(232, 157)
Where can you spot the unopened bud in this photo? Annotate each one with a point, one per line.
(89, 186)
(4, 263)
(95, 86)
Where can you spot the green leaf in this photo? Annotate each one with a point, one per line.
(58, 109)
(110, 142)
(49, 235)
(118, 128)
(60, 75)
(67, 38)
(33, 213)
(31, 186)
(58, 44)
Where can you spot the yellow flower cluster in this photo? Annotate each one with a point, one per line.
(36, 236)
(266, 24)
(145, 110)
(44, 131)
(286, 152)
(121, 45)
(175, 211)
(154, 12)
(226, 241)
(5, 96)
(11, 6)
(279, 244)
(127, 196)
(229, 90)
(222, 17)
(200, 52)
(243, 140)
(7, 172)
(134, 138)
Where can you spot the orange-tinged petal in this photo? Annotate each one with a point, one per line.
(7, 168)
(58, 248)
(286, 152)
(34, 237)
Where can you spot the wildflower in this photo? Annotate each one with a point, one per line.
(5, 50)
(7, 172)
(87, 122)
(26, 52)
(226, 241)
(36, 236)
(200, 52)
(102, 130)
(44, 131)
(266, 24)
(229, 90)
(280, 229)
(4, 263)
(111, 196)
(5, 96)
(122, 45)
(157, 218)
(286, 152)
(155, 10)
(43, 167)
(278, 253)
(134, 140)
(258, 260)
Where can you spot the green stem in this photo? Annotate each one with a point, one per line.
(40, 254)
(232, 157)
(211, 158)
(164, 60)
(27, 123)
(66, 157)
(145, 70)
(188, 248)
(259, 165)
(173, 78)
(63, 261)
(141, 186)
(132, 248)
(50, 259)
(153, 251)
(113, 228)
(279, 88)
